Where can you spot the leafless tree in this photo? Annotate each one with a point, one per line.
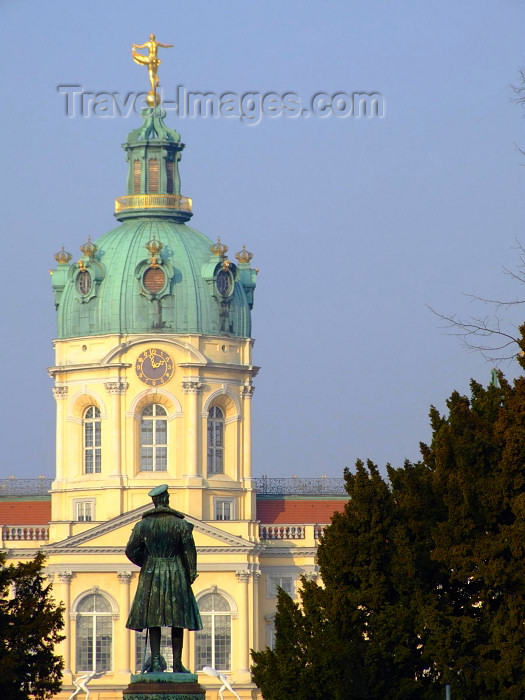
(494, 334)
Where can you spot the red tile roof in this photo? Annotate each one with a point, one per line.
(269, 511)
(25, 512)
(300, 512)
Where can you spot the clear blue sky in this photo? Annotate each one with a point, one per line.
(355, 224)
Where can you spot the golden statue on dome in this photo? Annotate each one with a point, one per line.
(152, 61)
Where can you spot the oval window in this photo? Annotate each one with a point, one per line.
(83, 282)
(224, 283)
(154, 280)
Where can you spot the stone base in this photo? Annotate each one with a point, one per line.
(164, 686)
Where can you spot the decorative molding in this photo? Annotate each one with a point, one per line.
(125, 577)
(247, 389)
(294, 552)
(124, 347)
(175, 410)
(65, 576)
(116, 387)
(225, 390)
(243, 576)
(192, 385)
(74, 549)
(60, 392)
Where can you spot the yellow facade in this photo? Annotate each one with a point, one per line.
(86, 556)
(138, 410)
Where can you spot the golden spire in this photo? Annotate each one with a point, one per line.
(152, 61)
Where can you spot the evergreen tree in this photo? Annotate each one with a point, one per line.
(423, 575)
(30, 624)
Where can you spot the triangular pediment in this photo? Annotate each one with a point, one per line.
(114, 535)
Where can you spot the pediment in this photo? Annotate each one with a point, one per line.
(113, 535)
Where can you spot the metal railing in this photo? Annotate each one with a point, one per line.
(152, 201)
(294, 486)
(265, 485)
(25, 487)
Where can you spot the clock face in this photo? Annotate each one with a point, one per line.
(154, 367)
(224, 283)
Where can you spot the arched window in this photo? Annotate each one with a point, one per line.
(213, 644)
(154, 439)
(94, 636)
(92, 452)
(216, 441)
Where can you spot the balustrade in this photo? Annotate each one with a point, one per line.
(25, 532)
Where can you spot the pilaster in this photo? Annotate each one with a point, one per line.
(64, 578)
(124, 578)
(192, 386)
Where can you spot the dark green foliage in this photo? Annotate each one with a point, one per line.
(423, 574)
(30, 624)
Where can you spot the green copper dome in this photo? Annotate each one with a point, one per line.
(153, 273)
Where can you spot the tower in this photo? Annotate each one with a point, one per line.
(153, 356)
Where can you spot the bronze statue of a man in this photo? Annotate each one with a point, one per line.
(162, 545)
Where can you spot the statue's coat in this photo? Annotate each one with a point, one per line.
(162, 545)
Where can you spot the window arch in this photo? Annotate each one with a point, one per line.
(154, 438)
(215, 440)
(91, 440)
(94, 633)
(213, 644)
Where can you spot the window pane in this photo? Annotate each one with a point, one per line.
(92, 440)
(146, 459)
(84, 643)
(222, 642)
(206, 602)
(146, 432)
(102, 604)
(203, 645)
(161, 431)
(161, 462)
(97, 433)
(103, 643)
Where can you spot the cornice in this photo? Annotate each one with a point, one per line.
(294, 552)
(58, 369)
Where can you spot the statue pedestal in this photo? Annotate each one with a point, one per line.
(164, 686)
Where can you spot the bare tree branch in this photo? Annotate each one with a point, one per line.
(500, 345)
(496, 340)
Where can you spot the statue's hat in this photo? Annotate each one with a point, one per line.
(158, 490)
